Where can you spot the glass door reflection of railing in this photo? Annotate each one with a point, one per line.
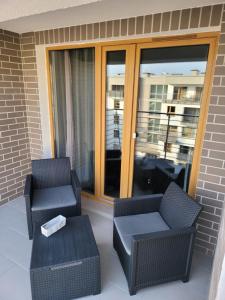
(166, 135)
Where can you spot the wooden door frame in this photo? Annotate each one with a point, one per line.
(212, 41)
(126, 131)
(157, 41)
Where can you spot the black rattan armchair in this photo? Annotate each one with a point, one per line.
(154, 236)
(52, 189)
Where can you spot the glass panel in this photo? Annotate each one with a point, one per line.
(73, 109)
(170, 88)
(115, 80)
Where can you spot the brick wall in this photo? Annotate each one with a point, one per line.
(14, 143)
(211, 183)
(29, 66)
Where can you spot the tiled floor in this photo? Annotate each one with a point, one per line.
(15, 249)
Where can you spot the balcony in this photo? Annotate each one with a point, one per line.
(15, 251)
(184, 100)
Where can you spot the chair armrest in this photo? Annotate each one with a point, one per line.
(165, 254)
(137, 205)
(76, 186)
(28, 201)
(28, 186)
(166, 234)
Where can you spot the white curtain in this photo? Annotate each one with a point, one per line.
(59, 98)
(69, 111)
(82, 74)
(217, 286)
(73, 106)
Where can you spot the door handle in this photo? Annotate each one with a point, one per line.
(135, 135)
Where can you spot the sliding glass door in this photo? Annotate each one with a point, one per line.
(170, 85)
(73, 100)
(131, 116)
(117, 77)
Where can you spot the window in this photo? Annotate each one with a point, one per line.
(173, 129)
(153, 125)
(116, 119)
(188, 132)
(198, 93)
(191, 114)
(179, 92)
(168, 147)
(184, 149)
(158, 91)
(116, 104)
(171, 109)
(152, 138)
(116, 133)
(154, 106)
(117, 90)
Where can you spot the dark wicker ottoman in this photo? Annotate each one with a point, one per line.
(65, 265)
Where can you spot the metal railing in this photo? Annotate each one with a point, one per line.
(166, 135)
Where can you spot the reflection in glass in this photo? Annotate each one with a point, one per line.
(115, 79)
(170, 89)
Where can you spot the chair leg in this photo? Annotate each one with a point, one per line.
(185, 279)
(30, 236)
(132, 291)
(30, 227)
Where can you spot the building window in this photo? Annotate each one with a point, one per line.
(171, 109)
(117, 90)
(152, 138)
(168, 147)
(116, 104)
(154, 106)
(188, 132)
(191, 114)
(116, 119)
(198, 93)
(116, 133)
(184, 149)
(173, 128)
(158, 91)
(153, 125)
(179, 92)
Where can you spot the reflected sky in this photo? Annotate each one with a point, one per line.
(162, 68)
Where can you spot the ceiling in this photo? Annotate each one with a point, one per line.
(34, 15)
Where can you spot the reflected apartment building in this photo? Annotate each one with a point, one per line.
(167, 114)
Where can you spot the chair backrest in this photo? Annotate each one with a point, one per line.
(177, 208)
(51, 172)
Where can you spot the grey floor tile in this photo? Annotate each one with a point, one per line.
(112, 292)
(15, 285)
(15, 250)
(5, 265)
(15, 247)
(18, 204)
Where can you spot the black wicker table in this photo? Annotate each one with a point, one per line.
(65, 265)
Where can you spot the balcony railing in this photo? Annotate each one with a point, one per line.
(166, 135)
(158, 133)
(116, 94)
(183, 100)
